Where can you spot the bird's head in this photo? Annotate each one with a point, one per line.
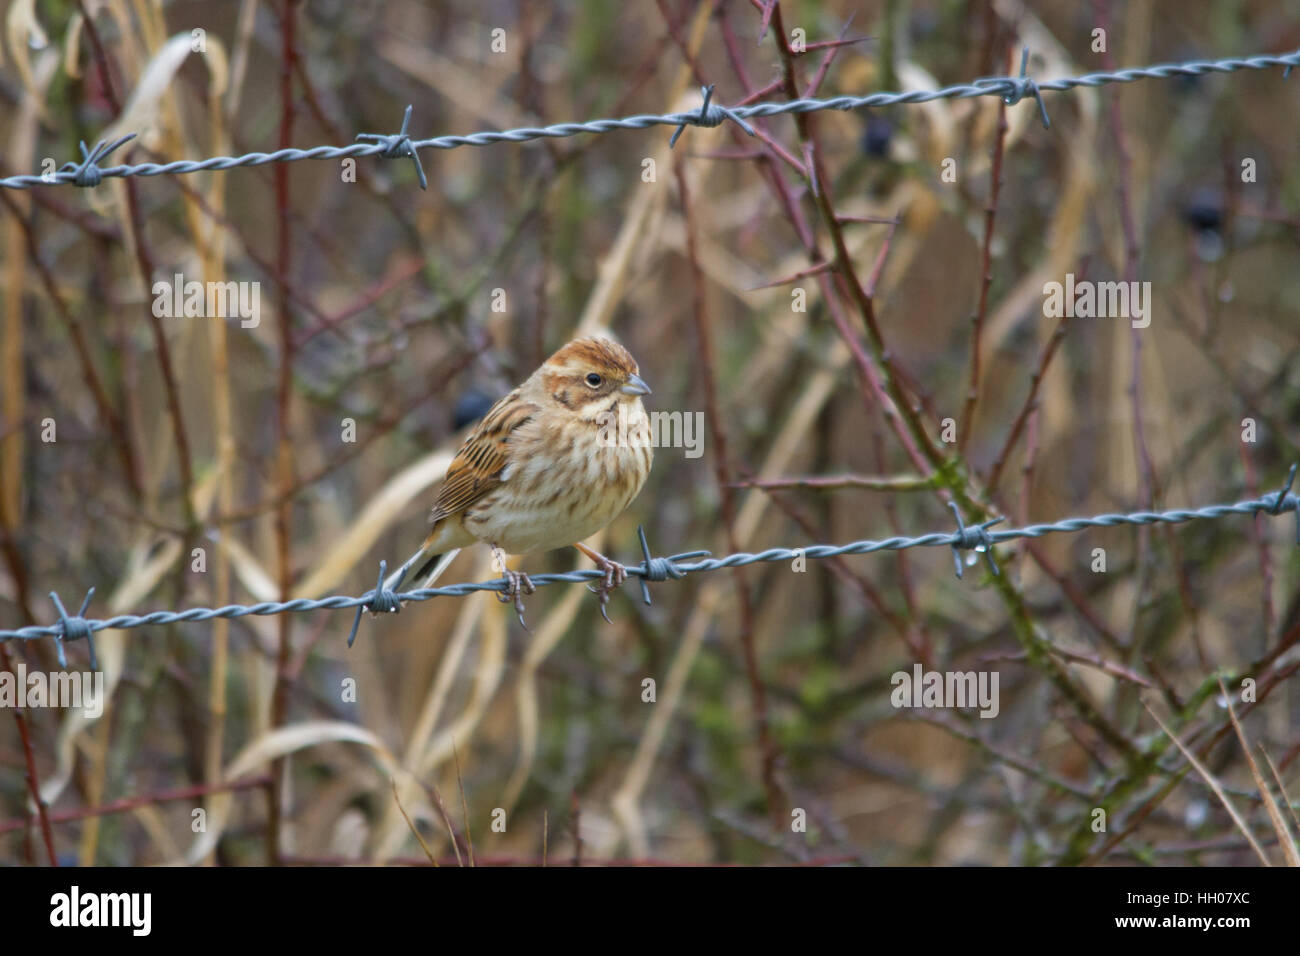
(591, 377)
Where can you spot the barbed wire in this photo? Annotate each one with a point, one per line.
(1012, 89)
(976, 538)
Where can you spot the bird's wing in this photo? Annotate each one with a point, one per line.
(478, 466)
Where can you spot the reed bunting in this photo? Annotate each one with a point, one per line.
(550, 464)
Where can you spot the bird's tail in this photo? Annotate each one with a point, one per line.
(426, 567)
(437, 562)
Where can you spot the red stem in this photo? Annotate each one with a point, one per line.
(284, 451)
(33, 781)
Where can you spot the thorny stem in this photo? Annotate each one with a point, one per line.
(775, 795)
(891, 483)
(145, 800)
(986, 280)
(122, 441)
(145, 263)
(1077, 850)
(1030, 405)
(29, 759)
(953, 473)
(284, 445)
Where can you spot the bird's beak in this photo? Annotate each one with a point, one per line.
(635, 386)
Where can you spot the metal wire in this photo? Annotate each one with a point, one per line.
(975, 538)
(1011, 88)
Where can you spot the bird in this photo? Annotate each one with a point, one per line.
(551, 463)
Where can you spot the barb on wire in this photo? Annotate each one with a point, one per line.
(398, 145)
(710, 116)
(661, 569)
(87, 172)
(1018, 87)
(1011, 88)
(1281, 498)
(380, 599)
(75, 628)
(974, 538)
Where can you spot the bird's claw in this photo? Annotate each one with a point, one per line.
(517, 585)
(615, 575)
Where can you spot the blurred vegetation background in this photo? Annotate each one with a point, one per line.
(199, 462)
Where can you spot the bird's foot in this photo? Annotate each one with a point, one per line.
(615, 575)
(517, 585)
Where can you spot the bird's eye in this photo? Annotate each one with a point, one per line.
(593, 380)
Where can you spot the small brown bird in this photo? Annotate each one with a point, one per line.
(551, 463)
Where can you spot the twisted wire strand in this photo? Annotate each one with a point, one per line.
(976, 538)
(1011, 88)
